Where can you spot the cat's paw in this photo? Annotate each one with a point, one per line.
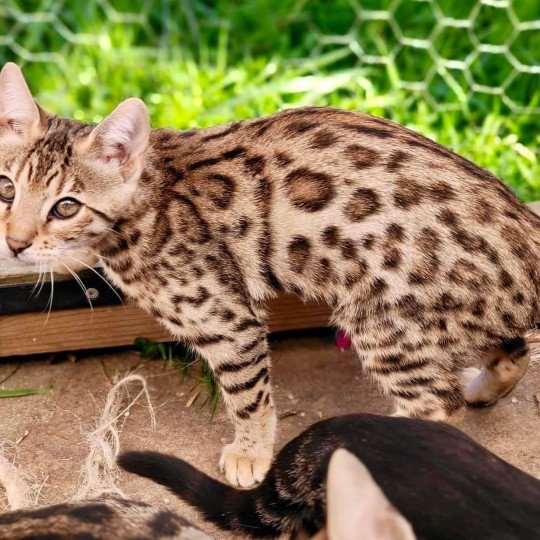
(475, 386)
(244, 468)
(471, 380)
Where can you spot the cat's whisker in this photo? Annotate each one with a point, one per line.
(37, 281)
(123, 236)
(99, 275)
(32, 296)
(42, 281)
(81, 285)
(50, 304)
(86, 252)
(96, 254)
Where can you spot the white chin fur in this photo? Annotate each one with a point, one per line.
(9, 265)
(26, 262)
(84, 260)
(5, 252)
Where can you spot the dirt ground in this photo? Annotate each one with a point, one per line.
(313, 380)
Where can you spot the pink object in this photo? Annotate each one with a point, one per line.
(342, 340)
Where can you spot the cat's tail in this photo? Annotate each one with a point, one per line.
(227, 507)
(503, 369)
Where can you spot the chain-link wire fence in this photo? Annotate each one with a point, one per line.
(451, 52)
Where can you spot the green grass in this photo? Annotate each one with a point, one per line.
(202, 63)
(188, 364)
(23, 392)
(185, 93)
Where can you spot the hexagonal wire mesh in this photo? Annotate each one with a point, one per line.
(448, 51)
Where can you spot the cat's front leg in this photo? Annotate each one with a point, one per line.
(241, 364)
(214, 315)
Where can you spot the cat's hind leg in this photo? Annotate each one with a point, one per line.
(502, 370)
(419, 385)
(409, 364)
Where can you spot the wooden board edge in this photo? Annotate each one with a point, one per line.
(112, 326)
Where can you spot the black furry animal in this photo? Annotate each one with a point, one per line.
(446, 485)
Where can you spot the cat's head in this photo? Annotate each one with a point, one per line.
(63, 184)
(356, 506)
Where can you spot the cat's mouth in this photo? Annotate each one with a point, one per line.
(63, 262)
(8, 257)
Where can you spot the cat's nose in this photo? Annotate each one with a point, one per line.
(17, 246)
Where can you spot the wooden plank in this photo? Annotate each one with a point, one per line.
(77, 329)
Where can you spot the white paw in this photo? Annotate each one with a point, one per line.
(472, 380)
(244, 468)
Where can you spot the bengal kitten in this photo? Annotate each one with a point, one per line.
(443, 483)
(104, 518)
(428, 261)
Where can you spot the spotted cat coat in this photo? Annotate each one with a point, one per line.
(429, 262)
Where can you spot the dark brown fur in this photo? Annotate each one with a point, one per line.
(446, 485)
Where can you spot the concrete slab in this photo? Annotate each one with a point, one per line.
(313, 380)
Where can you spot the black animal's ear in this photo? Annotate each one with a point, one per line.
(357, 507)
(121, 139)
(19, 113)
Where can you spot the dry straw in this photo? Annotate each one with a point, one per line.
(99, 472)
(20, 489)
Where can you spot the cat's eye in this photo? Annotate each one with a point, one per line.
(66, 208)
(7, 189)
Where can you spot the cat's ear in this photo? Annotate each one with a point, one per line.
(121, 139)
(357, 507)
(19, 113)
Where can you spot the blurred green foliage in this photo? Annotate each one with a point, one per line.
(467, 84)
